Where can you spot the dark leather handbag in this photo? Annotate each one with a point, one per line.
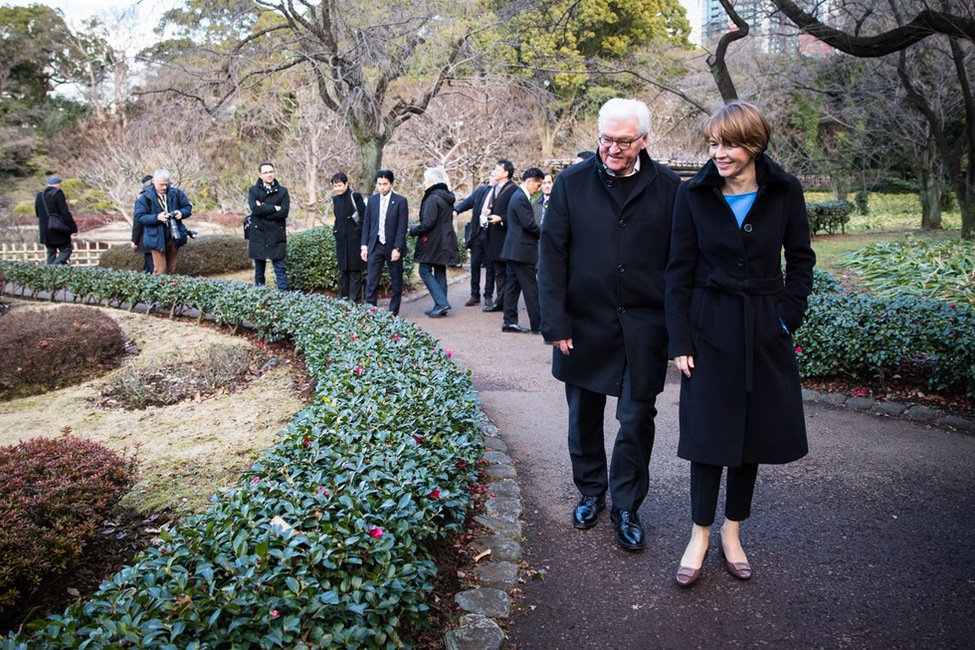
(55, 222)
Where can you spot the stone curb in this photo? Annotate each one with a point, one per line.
(490, 602)
(916, 412)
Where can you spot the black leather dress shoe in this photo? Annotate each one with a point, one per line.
(629, 530)
(515, 328)
(494, 307)
(439, 312)
(586, 514)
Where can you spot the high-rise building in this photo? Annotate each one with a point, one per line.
(770, 31)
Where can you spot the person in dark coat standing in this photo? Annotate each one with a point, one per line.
(159, 209)
(730, 317)
(520, 252)
(349, 210)
(436, 245)
(269, 203)
(604, 246)
(495, 209)
(137, 230)
(50, 201)
(384, 239)
(475, 239)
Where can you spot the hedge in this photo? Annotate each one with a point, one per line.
(322, 543)
(312, 264)
(828, 216)
(868, 337)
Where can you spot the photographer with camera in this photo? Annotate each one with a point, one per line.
(161, 210)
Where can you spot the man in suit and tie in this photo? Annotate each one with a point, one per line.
(476, 242)
(540, 205)
(520, 252)
(496, 210)
(384, 239)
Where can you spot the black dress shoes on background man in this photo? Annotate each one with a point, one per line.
(586, 514)
(515, 328)
(629, 530)
(496, 306)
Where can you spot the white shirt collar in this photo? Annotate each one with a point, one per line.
(636, 169)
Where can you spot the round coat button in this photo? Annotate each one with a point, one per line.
(740, 262)
(620, 268)
(747, 227)
(622, 223)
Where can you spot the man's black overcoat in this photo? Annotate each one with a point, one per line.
(601, 276)
(268, 234)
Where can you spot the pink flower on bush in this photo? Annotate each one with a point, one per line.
(798, 350)
(417, 438)
(448, 354)
(307, 441)
(255, 480)
(435, 493)
(395, 336)
(376, 533)
(275, 613)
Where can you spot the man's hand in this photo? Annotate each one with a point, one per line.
(177, 214)
(364, 254)
(495, 219)
(394, 256)
(133, 245)
(684, 363)
(564, 345)
(277, 208)
(162, 216)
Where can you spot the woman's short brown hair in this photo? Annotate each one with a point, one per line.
(740, 124)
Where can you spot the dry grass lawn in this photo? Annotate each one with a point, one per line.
(187, 451)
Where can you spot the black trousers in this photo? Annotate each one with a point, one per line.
(479, 260)
(378, 256)
(521, 278)
(499, 273)
(629, 474)
(350, 285)
(705, 481)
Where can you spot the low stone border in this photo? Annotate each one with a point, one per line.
(911, 411)
(490, 601)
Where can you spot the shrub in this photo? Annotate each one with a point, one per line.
(312, 265)
(862, 199)
(828, 216)
(54, 492)
(158, 384)
(324, 541)
(869, 337)
(894, 185)
(205, 255)
(42, 350)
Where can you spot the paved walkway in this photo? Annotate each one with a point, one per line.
(868, 542)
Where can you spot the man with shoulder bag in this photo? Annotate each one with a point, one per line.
(54, 221)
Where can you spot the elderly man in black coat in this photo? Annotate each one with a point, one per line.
(269, 203)
(55, 233)
(604, 247)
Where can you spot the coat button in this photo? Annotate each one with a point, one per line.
(622, 223)
(621, 310)
(609, 183)
(747, 227)
(620, 268)
(740, 262)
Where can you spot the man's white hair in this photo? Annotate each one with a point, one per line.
(618, 110)
(436, 175)
(161, 175)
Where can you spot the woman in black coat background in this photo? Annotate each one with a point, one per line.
(348, 208)
(436, 245)
(730, 319)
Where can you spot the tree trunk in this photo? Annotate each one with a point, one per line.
(371, 155)
(930, 188)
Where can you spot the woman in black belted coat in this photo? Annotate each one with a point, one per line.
(730, 320)
(436, 245)
(349, 209)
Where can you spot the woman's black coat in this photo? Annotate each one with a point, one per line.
(437, 241)
(727, 304)
(268, 234)
(347, 229)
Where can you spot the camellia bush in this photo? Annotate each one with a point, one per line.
(312, 265)
(870, 337)
(323, 541)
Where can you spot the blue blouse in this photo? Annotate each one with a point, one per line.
(740, 204)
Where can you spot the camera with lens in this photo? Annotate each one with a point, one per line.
(172, 223)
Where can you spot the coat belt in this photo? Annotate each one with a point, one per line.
(744, 289)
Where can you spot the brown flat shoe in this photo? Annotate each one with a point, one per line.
(473, 300)
(686, 576)
(741, 570)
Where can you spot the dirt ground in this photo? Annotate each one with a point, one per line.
(187, 451)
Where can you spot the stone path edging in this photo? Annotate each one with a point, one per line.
(490, 601)
(911, 411)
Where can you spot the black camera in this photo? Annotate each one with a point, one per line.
(173, 224)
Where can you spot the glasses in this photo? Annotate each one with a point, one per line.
(621, 143)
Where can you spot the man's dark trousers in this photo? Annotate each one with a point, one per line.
(521, 279)
(377, 257)
(629, 475)
(479, 259)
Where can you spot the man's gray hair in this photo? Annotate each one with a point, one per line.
(161, 175)
(436, 175)
(618, 110)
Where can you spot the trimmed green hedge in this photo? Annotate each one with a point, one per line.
(869, 337)
(312, 265)
(205, 255)
(828, 216)
(322, 544)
